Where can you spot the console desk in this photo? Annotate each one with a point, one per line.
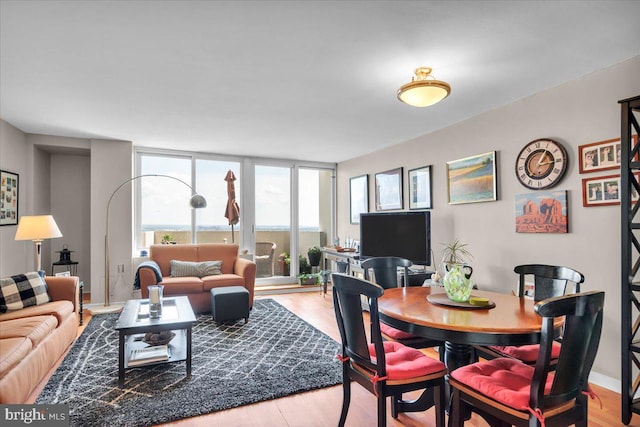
(331, 255)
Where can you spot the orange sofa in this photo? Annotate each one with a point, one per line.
(235, 271)
(33, 339)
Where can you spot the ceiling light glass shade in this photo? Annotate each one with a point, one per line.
(37, 227)
(423, 90)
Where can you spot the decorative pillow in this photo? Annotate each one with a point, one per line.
(198, 269)
(22, 291)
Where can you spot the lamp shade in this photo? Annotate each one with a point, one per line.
(38, 227)
(198, 202)
(423, 90)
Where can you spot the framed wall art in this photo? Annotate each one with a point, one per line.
(8, 198)
(602, 155)
(542, 212)
(603, 191)
(389, 190)
(358, 197)
(420, 187)
(472, 179)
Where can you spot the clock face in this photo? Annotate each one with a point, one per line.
(541, 164)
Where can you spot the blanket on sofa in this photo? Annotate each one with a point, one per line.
(152, 265)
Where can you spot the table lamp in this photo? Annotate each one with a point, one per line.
(37, 228)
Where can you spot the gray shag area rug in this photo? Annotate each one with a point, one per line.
(274, 355)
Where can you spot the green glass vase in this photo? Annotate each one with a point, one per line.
(457, 282)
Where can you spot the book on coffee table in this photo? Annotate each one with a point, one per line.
(142, 356)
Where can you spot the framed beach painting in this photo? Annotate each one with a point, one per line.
(472, 179)
(542, 212)
(389, 190)
(358, 197)
(8, 198)
(420, 188)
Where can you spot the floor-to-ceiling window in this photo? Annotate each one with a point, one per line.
(272, 220)
(212, 226)
(163, 211)
(286, 207)
(315, 218)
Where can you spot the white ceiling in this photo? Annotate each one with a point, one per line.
(312, 80)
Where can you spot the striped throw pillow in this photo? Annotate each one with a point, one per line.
(22, 290)
(197, 269)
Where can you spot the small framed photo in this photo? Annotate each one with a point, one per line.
(603, 190)
(8, 198)
(420, 187)
(602, 155)
(472, 179)
(389, 190)
(358, 197)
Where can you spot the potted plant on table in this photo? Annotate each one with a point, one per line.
(457, 279)
(315, 255)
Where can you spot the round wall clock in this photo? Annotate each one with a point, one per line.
(541, 164)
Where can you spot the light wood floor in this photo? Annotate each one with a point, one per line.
(322, 407)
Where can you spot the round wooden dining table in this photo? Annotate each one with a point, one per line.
(512, 321)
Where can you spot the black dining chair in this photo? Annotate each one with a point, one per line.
(384, 272)
(548, 281)
(384, 368)
(506, 391)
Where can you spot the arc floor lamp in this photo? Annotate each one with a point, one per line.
(197, 202)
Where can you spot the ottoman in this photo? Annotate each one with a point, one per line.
(230, 303)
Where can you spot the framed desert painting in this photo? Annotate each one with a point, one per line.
(472, 179)
(542, 212)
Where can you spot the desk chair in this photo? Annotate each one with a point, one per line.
(549, 281)
(506, 391)
(383, 368)
(384, 272)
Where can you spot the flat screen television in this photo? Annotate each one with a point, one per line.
(402, 234)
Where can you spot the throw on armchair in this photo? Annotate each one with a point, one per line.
(264, 258)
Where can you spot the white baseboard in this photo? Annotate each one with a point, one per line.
(605, 381)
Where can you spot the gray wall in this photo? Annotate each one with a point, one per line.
(71, 179)
(70, 195)
(15, 257)
(579, 112)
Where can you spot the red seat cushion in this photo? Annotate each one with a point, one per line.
(405, 362)
(505, 380)
(526, 353)
(394, 333)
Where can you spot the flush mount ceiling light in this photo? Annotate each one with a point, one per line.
(423, 90)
